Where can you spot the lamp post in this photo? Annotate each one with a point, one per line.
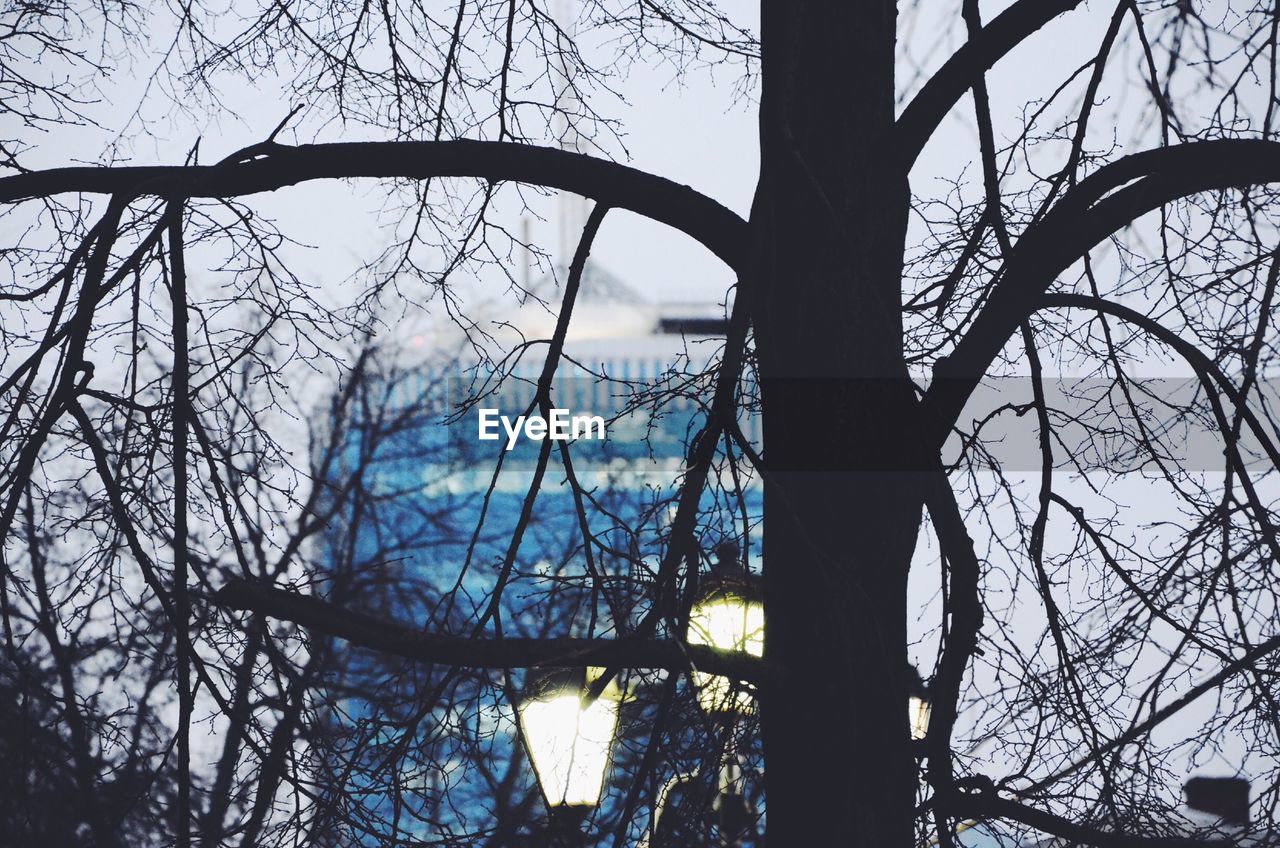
(568, 739)
(728, 615)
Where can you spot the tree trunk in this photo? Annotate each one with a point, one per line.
(842, 509)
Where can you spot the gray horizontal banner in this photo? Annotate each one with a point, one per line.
(1095, 424)
(1104, 424)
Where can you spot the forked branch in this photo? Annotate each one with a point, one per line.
(966, 66)
(1108, 200)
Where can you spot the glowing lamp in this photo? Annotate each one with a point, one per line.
(728, 616)
(917, 704)
(568, 739)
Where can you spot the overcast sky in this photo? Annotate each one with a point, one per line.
(693, 131)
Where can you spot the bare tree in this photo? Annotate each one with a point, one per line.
(165, 555)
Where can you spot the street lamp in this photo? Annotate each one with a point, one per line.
(568, 738)
(727, 615)
(918, 707)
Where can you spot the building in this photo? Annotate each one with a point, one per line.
(431, 538)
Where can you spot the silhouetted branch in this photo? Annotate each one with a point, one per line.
(966, 66)
(988, 805)
(1086, 215)
(404, 641)
(965, 608)
(271, 166)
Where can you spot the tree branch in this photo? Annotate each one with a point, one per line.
(181, 552)
(986, 805)
(271, 166)
(1101, 204)
(966, 66)
(1212, 377)
(965, 609)
(403, 641)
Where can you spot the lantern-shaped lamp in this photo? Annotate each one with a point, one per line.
(728, 616)
(568, 737)
(917, 703)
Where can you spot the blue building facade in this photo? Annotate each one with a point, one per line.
(433, 754)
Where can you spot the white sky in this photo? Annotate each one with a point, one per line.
(693, 133)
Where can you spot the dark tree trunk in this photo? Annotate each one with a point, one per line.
(841, 508)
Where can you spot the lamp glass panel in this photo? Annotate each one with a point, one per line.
(569, 745)
(918, 713)
(726, 622)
